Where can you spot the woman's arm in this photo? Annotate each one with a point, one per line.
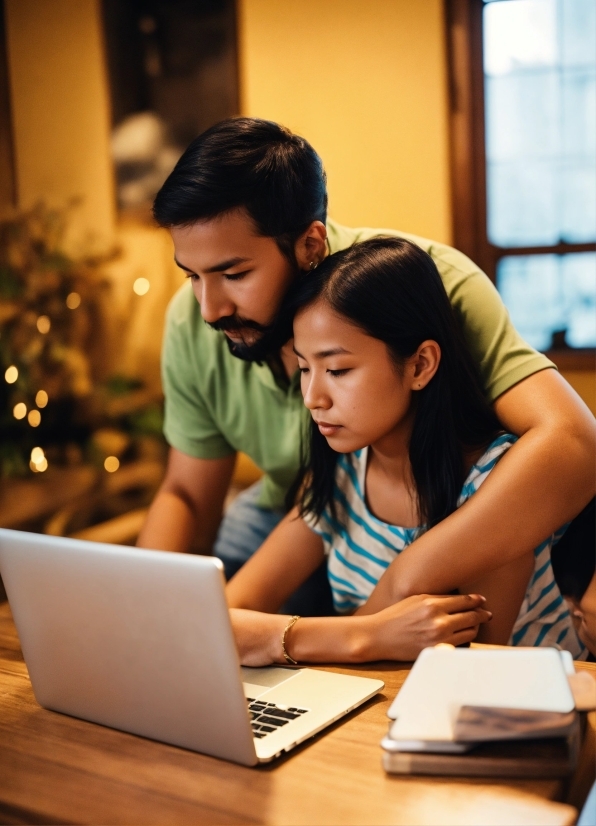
(400, 632)
(283, 562)
(289, 555)
(543, 481)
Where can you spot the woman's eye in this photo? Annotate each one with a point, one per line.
(336, 373)
(303, 369)
(237, 276)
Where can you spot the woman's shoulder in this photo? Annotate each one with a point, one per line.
(483, 465)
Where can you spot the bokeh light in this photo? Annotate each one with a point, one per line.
(141, 286)
(19, 411)
(111, 464)
(44, 324)
(73, 300)
(38, 462)
(34, 418)
(37, 455)
(41, 398)
(11, 374)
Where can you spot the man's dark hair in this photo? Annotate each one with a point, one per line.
(391, 289)
(253, 164)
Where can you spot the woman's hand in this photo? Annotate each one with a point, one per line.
(258, 636)
(401, 631)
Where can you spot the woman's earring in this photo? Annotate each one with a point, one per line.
(313, 265)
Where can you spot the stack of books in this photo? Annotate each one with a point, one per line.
(507, 712)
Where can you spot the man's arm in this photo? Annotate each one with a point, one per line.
(187, 509)
(542, 482)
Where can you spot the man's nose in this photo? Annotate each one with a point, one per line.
(214, 302)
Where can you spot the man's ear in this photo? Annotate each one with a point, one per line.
(424, 364)
(311, 246)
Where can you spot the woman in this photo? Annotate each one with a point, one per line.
(400, 437)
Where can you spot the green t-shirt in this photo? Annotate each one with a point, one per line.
(217, 404)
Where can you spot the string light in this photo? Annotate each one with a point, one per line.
(73, 300)
(19, 411)
(111, 464)
(43, 324)
(34, 418)
(11, 374)
(141, 286)
(41, 399)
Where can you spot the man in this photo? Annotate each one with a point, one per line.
(246, 206)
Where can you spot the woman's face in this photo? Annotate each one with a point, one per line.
(350, 383)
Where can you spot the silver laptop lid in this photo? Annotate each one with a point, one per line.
(133, 639)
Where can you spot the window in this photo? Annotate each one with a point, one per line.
(523, 123)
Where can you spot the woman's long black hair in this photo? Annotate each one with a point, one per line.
(391, 289)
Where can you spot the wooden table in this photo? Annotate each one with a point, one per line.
(56, 769)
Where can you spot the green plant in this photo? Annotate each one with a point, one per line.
(55, 384)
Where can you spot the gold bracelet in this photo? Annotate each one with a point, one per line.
(287, 657)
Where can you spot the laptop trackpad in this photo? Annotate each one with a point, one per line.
(258, 680)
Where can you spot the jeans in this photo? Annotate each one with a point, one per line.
(588, 813)
(243, 530)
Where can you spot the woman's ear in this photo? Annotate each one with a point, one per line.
(311, 246)
(424, 364)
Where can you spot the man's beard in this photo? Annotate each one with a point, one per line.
(271, 337)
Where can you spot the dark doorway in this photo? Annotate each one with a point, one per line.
(175, 59)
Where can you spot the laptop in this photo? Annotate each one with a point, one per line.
(141, 641)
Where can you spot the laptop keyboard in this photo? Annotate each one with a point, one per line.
(267, 717)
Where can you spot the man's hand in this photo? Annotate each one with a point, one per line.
(187, 509)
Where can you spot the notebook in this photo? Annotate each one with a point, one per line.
(499, 713)
(445, 680)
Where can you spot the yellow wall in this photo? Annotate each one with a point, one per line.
(145, 252)
(60, 110)
(365, 82)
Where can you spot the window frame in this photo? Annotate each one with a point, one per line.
(468, 160)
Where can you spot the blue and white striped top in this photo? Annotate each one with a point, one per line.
(360, 547)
